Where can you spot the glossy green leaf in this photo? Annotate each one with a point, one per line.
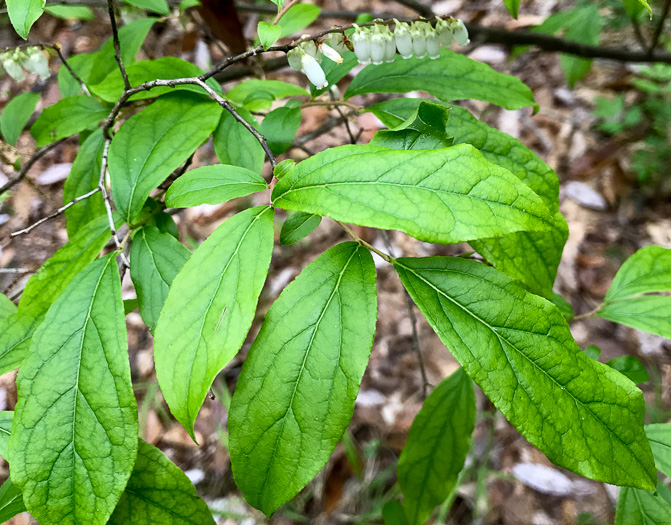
(640, 507)
(269, 34)
(156, 259)
(157, 6)
(439, 439)
(213, 185)
(450, 195)
(84, 177)
(23, 14)
(166, 68)
(248, 93)
(298, 17)
(74, 435)
(153, 143)
(11, 501)
(648, 270)
(6, 418)
(210, 308)
(659, 436)
(650, 313)
(68, 117)
(296, 392)
(7, 307)
(582, 414)
(16, 115)
(235, 145)
(158, 492)
(280, 127)
(424, 129)
(298, 226)
(450, 77)
(70, 12)
(512, 6)
(630, 367)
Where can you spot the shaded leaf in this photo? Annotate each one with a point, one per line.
(67, 117)
(157, 6)
(250, 93)
(280, 127)
(7, 307)
(298, 226)
(11, 501)
(640, 507)
(659, 436)
(630, 367)
(6, 418)
(16, 115)
(235, 145)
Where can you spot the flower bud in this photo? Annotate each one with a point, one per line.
(336, 41)
(11, 64)
(295, 58)
(403, 39)
(361, 41)
(460, 32)
(35, 62)
(314, 71)
(418, 33)
(445, 35)
(310, 48)
(330, 53)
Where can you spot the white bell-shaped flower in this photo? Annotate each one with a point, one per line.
(418, 33)
(330, 53)
(314, 71)
(460, 32)
(35, 62)
(336, 42)
(433, 45)
(10, 61)
(361, 41)
(378, 47)
(403, 39)
(445, 36)
(310, 48)
(390, 48)
(295, 57)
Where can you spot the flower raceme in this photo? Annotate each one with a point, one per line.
(377, 44)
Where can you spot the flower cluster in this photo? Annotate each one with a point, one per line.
(31, 59)
(377, 44)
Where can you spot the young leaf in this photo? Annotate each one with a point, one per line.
(155, 142)
(159, 492)
(564, 308)
(451, 195)
(592, 351)
(298, 226)
(23, 14)
(296, 392)
(6, 418)
(450, 77)
(298, 18)
(659, 436)
(439, 439)
(156, 259)
(84, 177)
(640, 507)
(16, 115)
(67, 117)
(269, 34)
(70, 12)
(7, 307)
(213, 185)
(15, 337)
(582, 414)
(648, 270)
(630, 367)
(74, 435)
(11, 501)
(235, 145)
(280, 127)
(650, 313)
(157, 6)
(512, 6)
(210, 308)
(248, 93)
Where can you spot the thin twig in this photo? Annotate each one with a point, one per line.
(284, 10)
(588, 314)
(56, 213)
(660, 26)
(352, 138)
(57, 48)
(108, 201)
(331, 103)
(37, 155)
(15, 270)
(358, 239)
(117, 45)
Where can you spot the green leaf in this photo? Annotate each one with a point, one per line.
(298, 18)
(659, 436)
(130, 305)
(153, 143)
(92, 68)
(450, 195)
(248, 93)
(424, 129)
(159, 492)
(157, 6)
(11, 501)
(186, 4)
(517, 347)
(593, 352)
(512, 6)
(23, 14)
(450, 77)
(70, 12)
(635, 7)
(298, 226)
(7, 307)
(439, 439)
(283, 168)
(6, 418)
(564, 308)
(650, 313)
(213, 185)
(630, 367)
(269, 34)
(16, 115)
(639, 507)
(280, 127)
(15, 338)
(156, 259)
(648, 270)
(74, 435)
(166, 68)
(67, 117)
(393, 513)
(210, 308)
(235, 145)
(84, 177)
(296, 392)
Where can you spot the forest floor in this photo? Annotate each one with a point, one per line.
(610, 214)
